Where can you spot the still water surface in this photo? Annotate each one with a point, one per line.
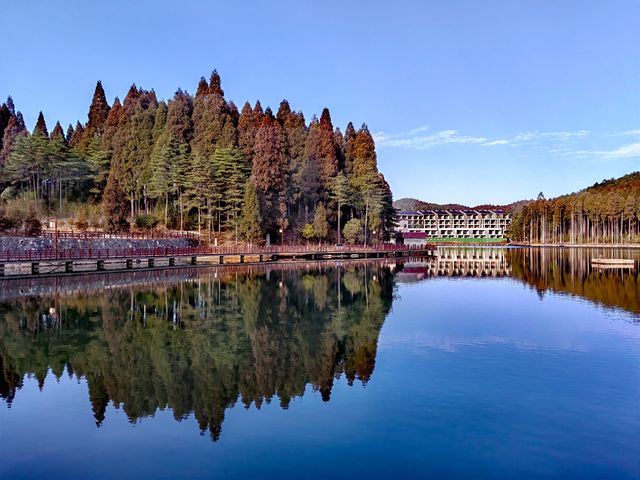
(487, 363)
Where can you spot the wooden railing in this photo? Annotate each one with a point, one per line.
(105, 253)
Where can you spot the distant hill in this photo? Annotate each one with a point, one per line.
(415, 204)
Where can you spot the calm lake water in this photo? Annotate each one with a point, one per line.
(485, 363)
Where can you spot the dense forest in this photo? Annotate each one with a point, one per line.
(201, 346)
(194, 162)
(607, 212)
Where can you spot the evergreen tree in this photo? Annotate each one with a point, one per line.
(340, 193)
(327, 149)
(191, 157)
(5, 116)
(250, 224)
(215, 87)
(160, 184)
(98, 111)
(58, 133)
(78, 133)
(296, 137)
(353, 231)
(41, 126)
(10, 106)
(338, 141)
(349, 143)
(270, 172)
(364, 161)
(15, 128)
(320, 224)
(114, 202)
(203, 88)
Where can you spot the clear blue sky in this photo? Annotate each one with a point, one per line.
(471, 102)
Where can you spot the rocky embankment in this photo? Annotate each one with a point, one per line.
(42, 244)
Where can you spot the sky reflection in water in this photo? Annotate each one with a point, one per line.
(368, 369)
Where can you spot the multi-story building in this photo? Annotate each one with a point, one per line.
(455, 223)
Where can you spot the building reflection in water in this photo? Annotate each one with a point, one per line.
(200, 341)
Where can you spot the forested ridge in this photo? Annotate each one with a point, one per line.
(607, 212)
(194, 162)
(411, 204)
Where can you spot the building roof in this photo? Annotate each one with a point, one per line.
(414, 235)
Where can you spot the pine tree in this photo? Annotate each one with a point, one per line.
(250, 224)
(5, 116)
(237, 173)
(320, 150)
(160, 176)
(69, 134)
(270, 171)
(327, 149)
(203, 88)
(58, 133)
(78, 133)
(340, 193)
(41, 126)
(284, 110)
(338, 141)
(114, 202)
(98, 111)
(320, 224)
(215, 87)
(246, 130)
(10, 106)
(349, 142)
(15, 128)
(211, 121)
(296, 137)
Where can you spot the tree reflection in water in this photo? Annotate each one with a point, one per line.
(197, 342)
(199, 346)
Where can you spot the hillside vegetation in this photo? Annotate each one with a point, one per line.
(412, 204)
(607, 212)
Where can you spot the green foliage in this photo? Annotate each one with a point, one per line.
(81, 222)
(353, 231)
(250, 221)
(189, 159)
(114, 203)
(32, 224)
(308, 232)
(320, 224)
(147, 222)
(606, 212)
(5, 223)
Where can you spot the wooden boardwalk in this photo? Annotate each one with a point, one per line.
(14, 264)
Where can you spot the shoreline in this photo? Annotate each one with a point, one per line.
(629, 246)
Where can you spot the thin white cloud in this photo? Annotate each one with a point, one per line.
(631, 133)
(424, 128)
(413, 140)
(420, 142)
(626, 151)
(631, 150)
(563, 144)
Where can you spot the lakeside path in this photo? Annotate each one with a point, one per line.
(38, 263)
(577, 245)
